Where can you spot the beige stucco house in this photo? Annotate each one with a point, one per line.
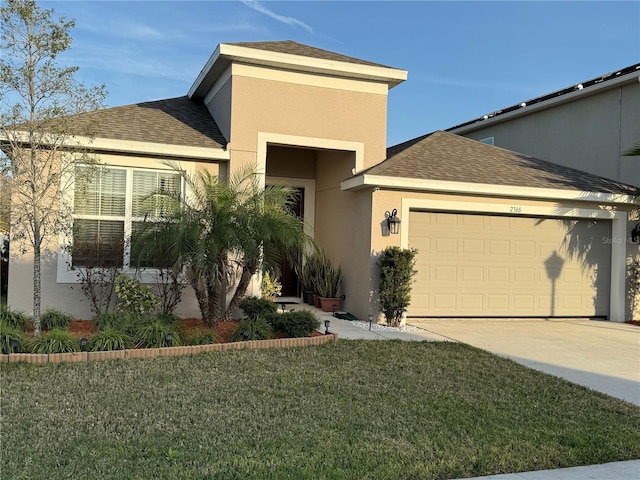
(498, 233)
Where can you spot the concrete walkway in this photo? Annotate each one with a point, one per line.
(600, 355)
(607, 471)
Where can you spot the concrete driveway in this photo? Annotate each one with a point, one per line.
(601, 355)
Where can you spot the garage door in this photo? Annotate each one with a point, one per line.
(500, 266)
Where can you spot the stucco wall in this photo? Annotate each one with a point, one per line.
(291, 162)
(588, 134)
(279, 106)
(342, 228)
(219, 106)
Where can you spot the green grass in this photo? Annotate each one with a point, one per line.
(350, 410)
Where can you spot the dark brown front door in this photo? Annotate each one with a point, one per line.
(288, 277)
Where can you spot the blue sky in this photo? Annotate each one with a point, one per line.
(465, 59)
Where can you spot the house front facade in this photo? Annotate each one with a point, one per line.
(498, 234)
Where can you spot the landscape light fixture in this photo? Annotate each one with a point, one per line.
(393, 222)
(15, 345)
(326, 326)
(83, 344)
(370, 321)
(168, 339)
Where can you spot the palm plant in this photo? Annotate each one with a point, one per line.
(222, 234)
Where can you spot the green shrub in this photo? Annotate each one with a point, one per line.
(110, 338)
(134, 298)
(14, 318)
(251, 329)
(202, 337)
(154, 335)
(118, 321)
(254, 307)
(54, 318)
(396, 275)
(168, 318)
(7, 334)
(295, 324)
(56, 341)
(271, 287)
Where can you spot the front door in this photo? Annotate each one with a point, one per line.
(288, 276)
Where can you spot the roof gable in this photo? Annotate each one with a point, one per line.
(172, 121)
(448, 157)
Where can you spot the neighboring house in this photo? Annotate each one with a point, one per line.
(587, 126)
(495, 230)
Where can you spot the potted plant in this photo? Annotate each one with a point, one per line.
(308, 273)
(328, 284)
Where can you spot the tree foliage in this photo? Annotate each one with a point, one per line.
(41, 133)
(222, 234)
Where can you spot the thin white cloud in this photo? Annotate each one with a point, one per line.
(258, 7)
(125, 29)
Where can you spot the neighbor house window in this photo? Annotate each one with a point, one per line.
(488, 140)
(109, 204)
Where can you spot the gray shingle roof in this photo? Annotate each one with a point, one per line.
(295, 48)
(449, 157)
(173, 121)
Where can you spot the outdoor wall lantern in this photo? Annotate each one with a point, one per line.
(635, 234)
(83, 344)
(326, 326)
(393, 222)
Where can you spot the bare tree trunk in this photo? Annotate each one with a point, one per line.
(213, 306)
(37, 287)
(247, 273)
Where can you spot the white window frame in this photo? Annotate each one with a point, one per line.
(68, 274)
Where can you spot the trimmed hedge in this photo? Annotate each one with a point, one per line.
(295, 324)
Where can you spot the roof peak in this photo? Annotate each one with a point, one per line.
(292, 47)
(294, 56)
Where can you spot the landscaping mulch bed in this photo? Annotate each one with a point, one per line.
(188, 326)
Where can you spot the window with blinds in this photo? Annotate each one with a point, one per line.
(109, 204)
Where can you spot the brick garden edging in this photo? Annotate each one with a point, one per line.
(165, 351)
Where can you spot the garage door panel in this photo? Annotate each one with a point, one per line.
(483, 265)
(445, 245)
(499, 247)
(472, 246)
(498, 274)
(471, 274)
(521, 248)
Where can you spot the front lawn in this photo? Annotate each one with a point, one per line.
(351, 409)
